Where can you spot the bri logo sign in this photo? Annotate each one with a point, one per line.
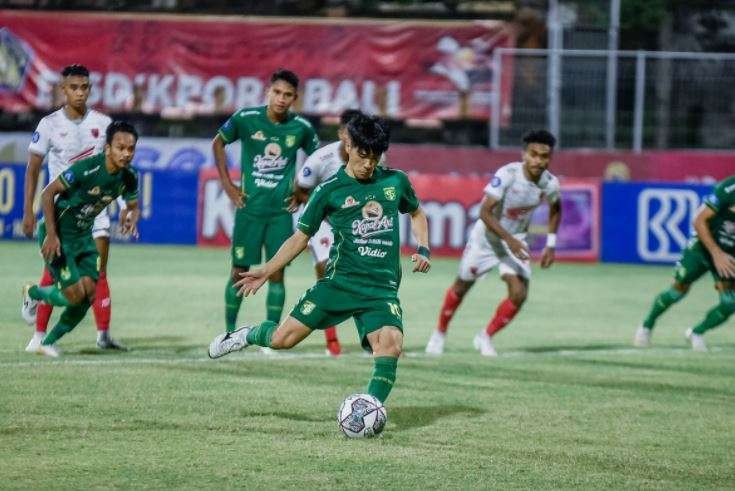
(665, 217)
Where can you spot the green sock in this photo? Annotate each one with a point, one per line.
(718, 314)
(49, 294)
(660, 304)
(69, 319)
(275, 300)
(232, 306)
(262, 334)
(384, 376)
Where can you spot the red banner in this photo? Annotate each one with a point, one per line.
(169, 63)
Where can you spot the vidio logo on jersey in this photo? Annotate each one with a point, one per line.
(665, 217)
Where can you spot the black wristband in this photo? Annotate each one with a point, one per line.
(424, 251)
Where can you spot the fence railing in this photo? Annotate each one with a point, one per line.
(650, 100)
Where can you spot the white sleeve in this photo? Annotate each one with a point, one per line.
(308, 175)
(498, 184)
(553, 193)
(41, 139)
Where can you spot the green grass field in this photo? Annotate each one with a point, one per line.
(568, 403)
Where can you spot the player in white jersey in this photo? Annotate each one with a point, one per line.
(72, 133)
(498, 238)
(319, 166)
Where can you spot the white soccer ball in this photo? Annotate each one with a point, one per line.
(361, 416)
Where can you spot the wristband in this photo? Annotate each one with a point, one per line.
(551, 240)
(424, 251)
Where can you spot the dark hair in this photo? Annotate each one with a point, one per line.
(347, 116)
(369, 133)
(539, 136)
(79, 70)
(287, 76)
(119, 127)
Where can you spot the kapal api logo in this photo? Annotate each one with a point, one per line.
(373, 222)
(15, 61)
(271, 159)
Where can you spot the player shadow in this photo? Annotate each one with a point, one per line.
(585, 347)
(692, 369)
(291, 416)
(409, 417)
(139, 344)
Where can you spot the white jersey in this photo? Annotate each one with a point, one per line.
(320, 165)
(518, 198)
(65, 141)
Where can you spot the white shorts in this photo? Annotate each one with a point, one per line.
(321, 242)
(480, 256)
(101, 226)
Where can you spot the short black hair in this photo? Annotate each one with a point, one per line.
(287, 76)
(539, 136)
(369, 133)
(347, 116)
(78, 70)
(119, 127)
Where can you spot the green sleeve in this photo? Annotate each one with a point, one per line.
(311, 140)
(130, 181)
(723, 195)
(229, 132)
(72, 177)
(314, 211)
(409, 202)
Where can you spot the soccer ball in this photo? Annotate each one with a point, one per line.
(361, 416)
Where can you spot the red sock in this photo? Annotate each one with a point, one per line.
(331, 334)
(449, 307)
(503, 315)
(43, 314)
(102, 304)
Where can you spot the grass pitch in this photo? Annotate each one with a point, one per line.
(568, 403)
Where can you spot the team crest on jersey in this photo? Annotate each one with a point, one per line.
(258, 135)
(307, 307)
(95, 132)
(65, 274)
(94, 191)
(290, 140)
(349, 202)
(390, 193)
(239, 252)
(306, 171)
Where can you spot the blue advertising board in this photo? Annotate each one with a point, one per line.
(167, 200)
(648, 222)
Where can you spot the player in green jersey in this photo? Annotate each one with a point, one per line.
(65, 234)
(362, 203)
(270, 136)
(712, 249)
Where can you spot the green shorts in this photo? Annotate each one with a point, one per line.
(79, 257)
(694, 262)
(252, 234)
(323, 305)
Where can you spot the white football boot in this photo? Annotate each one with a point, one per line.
(228, 342)
(484, 344)
(49, 350)
(642, 338)
(35, 342)
(697, 341)
(435, 346)
(28, 306)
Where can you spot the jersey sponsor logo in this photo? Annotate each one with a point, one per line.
(65, 273)
(95, 132)
(307, 307)
(258, 135)
(306, 171)
(94, 191)
(730, 188)
(69, 176)
(271, 160)
(373, 221)
(107, 199)
(519, 213)
(390, 193)
(239, 252)
(728, 227)
(290, 140)
(664, 218)
(371, 252)
(93, 169)
(349, 202)
(495, 181)
(35, 137)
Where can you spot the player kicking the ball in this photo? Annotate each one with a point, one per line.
(498, 238)
(362, 203)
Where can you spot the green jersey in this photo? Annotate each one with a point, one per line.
(365, 256)
(722, 225)
(89, 188)
(268, 157)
